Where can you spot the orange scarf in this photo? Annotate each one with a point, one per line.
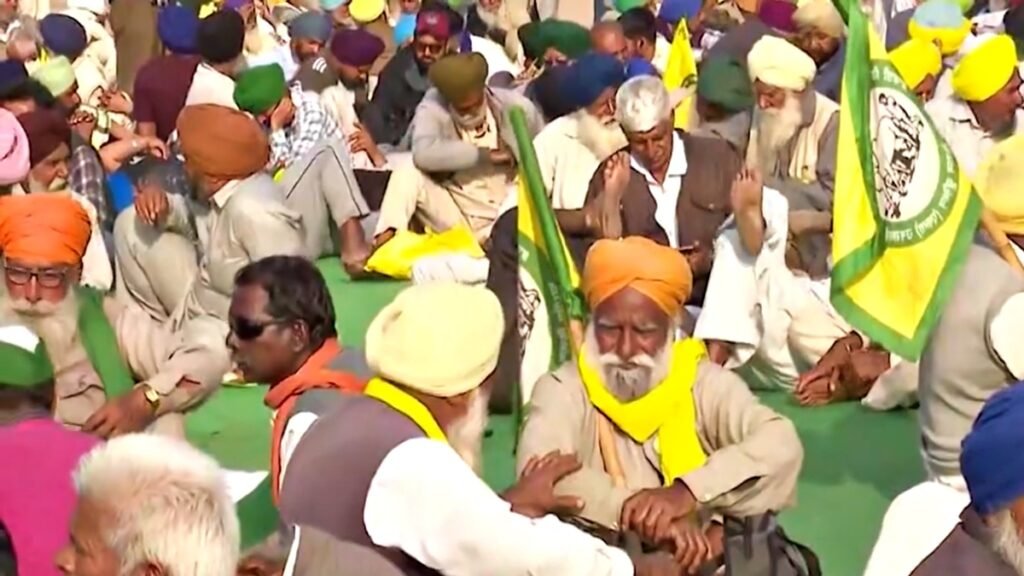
(282, 397)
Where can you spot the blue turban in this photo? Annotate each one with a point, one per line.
(589, 76)
(331, 5)
(312, 26)
(640, 67)
(178, 28)
(404, 28)
(63, 35)
(12, 75)
(675, 10)
(990, 460)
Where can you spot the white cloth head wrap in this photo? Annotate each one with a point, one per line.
(641, 103)
(821, 15)
(441, 339)
(778, 63)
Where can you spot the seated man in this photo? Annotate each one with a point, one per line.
(793, 137)
(724, 102)
(820, 33)
(283, 334)
(128, 519)
(988, 540)
(570, 149)
(463, 153)
(238, 216)
(36, 500)
(219, 39)
(722, 452)
(403, 82)
(984, 107)
(669, 186)
(919, 63)
(49, 141)
(316, 170)
(116, 369)
(339, 75)
(393, 469)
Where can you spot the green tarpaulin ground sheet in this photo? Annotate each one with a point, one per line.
(856, 461)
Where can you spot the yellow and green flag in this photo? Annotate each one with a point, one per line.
(681, 72)
(548, 301)
(904, 213)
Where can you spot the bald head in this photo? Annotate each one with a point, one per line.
(608, 38)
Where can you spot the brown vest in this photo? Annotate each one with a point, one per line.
(965, 552)
(329, 475)
(703, 205)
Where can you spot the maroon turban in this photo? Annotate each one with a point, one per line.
(356, 47)
(46, 130)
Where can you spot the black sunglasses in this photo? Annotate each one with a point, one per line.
(245, 329)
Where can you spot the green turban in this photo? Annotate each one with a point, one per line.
(459, 75)
(725, 83)
(259, 89)
(569, 38)
(24, 368)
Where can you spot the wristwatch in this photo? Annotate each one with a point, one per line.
(152, 396)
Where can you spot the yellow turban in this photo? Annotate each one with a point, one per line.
(440, 339)
(658, 272)
(778, 63)
(915, 60)
(949, 40)
(50, 229)
(998, 181)
(984, 71)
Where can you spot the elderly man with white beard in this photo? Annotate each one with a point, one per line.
(690, 439)
(392, 469)
(116, 370)
(793, 136)
(570, 149)
(989, 540)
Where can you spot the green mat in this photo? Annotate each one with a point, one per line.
(855, 460)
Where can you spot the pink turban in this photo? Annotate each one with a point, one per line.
(14, 164)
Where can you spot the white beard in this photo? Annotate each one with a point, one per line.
(1007, 541)
(466, 435)
(55, 324)
(630, 382)
(602, 138)
(495, 18)
(775, 130)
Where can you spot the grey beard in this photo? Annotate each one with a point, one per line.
(775, 130)
(55, 324)
(1006, 541)
(601, 139)
(467, 434)
(628, 384)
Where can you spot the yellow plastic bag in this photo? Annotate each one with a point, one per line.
(396, 256)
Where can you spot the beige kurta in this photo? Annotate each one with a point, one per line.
(156, 356)
(170, 277)
(754, 454)
(566, 164)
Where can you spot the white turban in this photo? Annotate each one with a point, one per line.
(778, 63)
(439, 339)
(97, 7)
(641, 103)
(819, 15)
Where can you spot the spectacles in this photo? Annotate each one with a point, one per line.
(45, 277)
(245, 329)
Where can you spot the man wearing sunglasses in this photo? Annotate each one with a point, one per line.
(116, 369)
(282, 334)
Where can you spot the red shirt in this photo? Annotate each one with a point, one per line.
(161, 87)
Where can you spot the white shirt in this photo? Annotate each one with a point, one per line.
(666, 194)
(1004, 333)
(427, 502)
(211, 87)
(566, 164)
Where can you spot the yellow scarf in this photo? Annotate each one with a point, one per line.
(403, 402)
(667, 409)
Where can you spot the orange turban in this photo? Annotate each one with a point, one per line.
(44, 229)
(658, 272)
(221, 142)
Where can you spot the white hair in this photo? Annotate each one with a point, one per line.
(170, 501)
(641, 104)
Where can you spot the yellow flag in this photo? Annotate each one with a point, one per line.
(681, 72)
(904, 213)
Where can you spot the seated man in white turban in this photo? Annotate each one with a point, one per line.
(984, 108)
(393, 469)
(686, 439)
(793, 137)
(820, 33)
